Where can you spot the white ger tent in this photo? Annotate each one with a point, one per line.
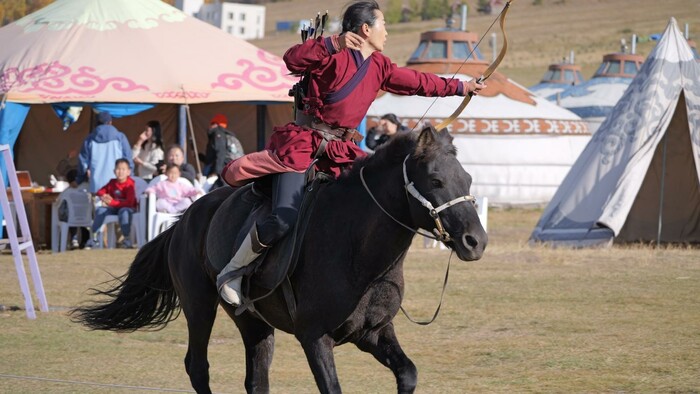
(593, 100)
(639, 177)
(516, 145)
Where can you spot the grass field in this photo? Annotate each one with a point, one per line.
(538, 34)
(522, 319)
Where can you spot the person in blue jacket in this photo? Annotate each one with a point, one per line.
(100, 151)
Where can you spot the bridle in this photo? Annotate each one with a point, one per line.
(439, 231)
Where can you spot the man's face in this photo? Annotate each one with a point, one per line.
(175, 157)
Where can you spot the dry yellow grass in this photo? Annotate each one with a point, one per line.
(538, 34)
(522, 319)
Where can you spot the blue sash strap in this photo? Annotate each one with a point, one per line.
(343, 92)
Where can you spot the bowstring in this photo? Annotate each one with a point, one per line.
(469, 56)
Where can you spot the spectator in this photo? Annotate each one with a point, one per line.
(103, 146)
(76, 242)
(176, 156)
(389, 125)
(148, 150)
(118, 198)
(222, 147)
(173, 196)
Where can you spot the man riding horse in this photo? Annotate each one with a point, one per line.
(341, 76)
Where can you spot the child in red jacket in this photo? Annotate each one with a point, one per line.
(118, 197)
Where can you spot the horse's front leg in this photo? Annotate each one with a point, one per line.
(259, 340)
(384, 346)
(319, 354)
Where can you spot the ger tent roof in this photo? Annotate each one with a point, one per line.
(638, 179)
(558, 78)
(128, 51)
(594, 99)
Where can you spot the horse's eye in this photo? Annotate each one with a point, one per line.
(436, 183)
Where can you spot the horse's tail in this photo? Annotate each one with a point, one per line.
(142, 298)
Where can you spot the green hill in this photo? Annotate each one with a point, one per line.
(537, 34)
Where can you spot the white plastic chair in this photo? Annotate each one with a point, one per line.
(14, 216)
(205, 183)
(80, 209)
(161, 221)
(482, 209)
(138, 222)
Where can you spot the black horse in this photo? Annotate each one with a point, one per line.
(348, 282)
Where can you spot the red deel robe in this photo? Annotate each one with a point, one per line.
(293, 146)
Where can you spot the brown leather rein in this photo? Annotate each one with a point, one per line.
(440, 233)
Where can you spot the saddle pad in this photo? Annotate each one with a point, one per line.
(233, 221)
(227, 228)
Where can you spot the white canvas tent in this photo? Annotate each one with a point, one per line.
(516, 145)
(639, 177)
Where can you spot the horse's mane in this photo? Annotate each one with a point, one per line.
(393, 152)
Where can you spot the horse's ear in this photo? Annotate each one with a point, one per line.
(426, 139)
(444, 134)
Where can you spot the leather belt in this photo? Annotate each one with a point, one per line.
(343, 133)
(328, 132)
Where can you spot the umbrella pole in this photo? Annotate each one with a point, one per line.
(661, 197)
(194, 141)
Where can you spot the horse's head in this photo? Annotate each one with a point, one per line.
(439, 187)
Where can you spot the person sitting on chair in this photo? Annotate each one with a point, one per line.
(342, 75)
(119, 198)
(176, 156)
(172, 196)
(148, 150)
(63, 214)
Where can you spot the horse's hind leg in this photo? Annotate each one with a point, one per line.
(200, 316)
(384, 346)
(259, 340)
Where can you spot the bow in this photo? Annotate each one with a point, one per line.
(491, 68)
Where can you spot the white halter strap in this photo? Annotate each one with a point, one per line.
(439, 230)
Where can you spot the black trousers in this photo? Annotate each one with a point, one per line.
(287, 193)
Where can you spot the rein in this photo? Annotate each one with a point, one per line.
(440, 233)
(442, 295)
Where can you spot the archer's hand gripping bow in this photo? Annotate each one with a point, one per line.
(492, 67)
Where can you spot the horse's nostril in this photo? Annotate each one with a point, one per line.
(469, 241)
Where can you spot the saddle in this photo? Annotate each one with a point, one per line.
(232, 222)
